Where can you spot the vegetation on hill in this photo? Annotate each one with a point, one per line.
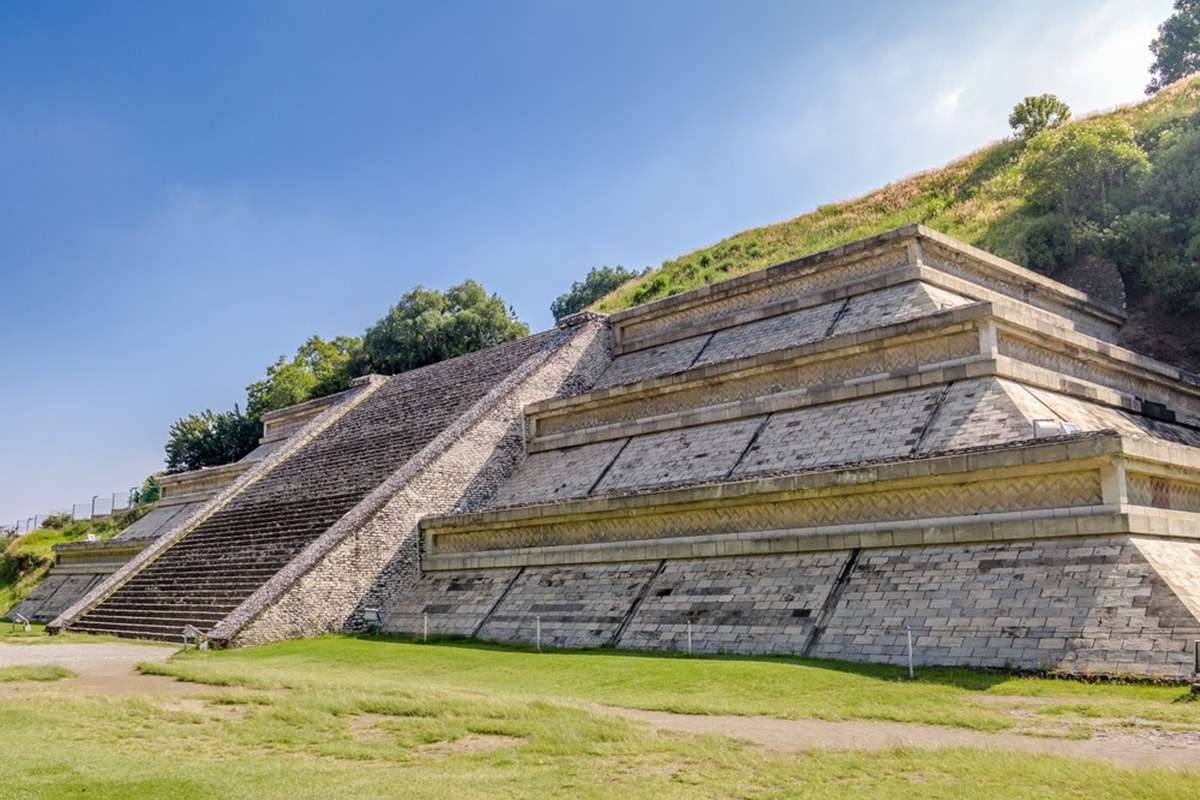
(1122, 187)
(599, 282)
(426, 326)
(25, 559)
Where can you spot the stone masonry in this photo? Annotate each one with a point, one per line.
(902, 437)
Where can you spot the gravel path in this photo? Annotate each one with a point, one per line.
(1131, 750)
(105, 668)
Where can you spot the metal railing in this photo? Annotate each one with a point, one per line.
(101, 505)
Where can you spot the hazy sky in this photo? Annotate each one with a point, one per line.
(188, 191)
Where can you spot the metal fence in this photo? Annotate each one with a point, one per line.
(101, 505)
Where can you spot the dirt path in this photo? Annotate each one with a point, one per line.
(1131, 750)
(102, 668)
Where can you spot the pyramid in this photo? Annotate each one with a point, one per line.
(902, 437)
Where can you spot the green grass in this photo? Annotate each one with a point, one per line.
(25, 559)
(779, 687)
(346, 717)
(978, 198)
(34, 673)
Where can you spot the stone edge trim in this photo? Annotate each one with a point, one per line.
(266, 595)
(1007, 271)
(261, 469)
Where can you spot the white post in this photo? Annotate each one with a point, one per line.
(689, 637)
(425, 628)
(911, 673)
(538, 622)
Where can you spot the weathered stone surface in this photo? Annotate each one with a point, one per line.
(574, 606)
(748, 604)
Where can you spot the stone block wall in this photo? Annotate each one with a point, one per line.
(580, 606)
(1113, 604)
(1093, 604)
(748, 604)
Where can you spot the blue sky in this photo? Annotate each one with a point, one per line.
(188, 191)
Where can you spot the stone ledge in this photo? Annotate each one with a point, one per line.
(1001, 527)
(1020, 280)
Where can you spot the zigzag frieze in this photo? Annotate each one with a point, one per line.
(1082, 488)
(1160, 492)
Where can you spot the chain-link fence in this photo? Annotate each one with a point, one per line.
(101, 505)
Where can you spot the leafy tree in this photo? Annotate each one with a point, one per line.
(599, 282)
(149, 492)
(1038, 113)
(1176, 49)
(319, 368)
(209, 439)
(1082, 171)
(428, 326)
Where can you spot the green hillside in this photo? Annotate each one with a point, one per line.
(1119, 189)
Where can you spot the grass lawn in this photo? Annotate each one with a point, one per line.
(345, 717)
(12, 674)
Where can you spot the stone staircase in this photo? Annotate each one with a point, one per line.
(213, 569)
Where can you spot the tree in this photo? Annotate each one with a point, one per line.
(428, 326)
(1082, 170)
(319, 368)
(1176, 49)
(599, 282)
(209, 439)
(1038, 113)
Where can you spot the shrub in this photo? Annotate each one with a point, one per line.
(1083, 171)
(59, 520)
(1050, 244)
(599, 282)
(1136, 239)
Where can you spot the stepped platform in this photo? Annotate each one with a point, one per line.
(904, 436)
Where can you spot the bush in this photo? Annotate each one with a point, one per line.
(427, 326)
(599, 282)
(1136, 239)
(59, 520)
(1050, 244)
(1083, 171)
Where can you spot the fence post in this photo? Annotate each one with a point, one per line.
(689, 637)
(908, 633)
(425, 628)
(538, 623)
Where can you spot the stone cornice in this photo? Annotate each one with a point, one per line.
(1008, 278)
